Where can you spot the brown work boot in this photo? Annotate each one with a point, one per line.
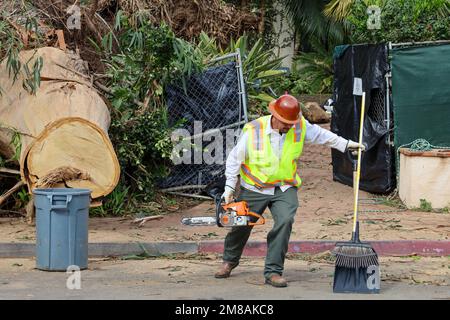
(276, 280)
(225, 270)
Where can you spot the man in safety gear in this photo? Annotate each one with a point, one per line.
(266, 157)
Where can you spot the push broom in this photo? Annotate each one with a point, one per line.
(356, 260)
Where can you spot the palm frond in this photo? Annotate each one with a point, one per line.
(338, 10)
(309, 20)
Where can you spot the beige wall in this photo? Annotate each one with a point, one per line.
(425, 177)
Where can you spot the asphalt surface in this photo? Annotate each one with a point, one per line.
(191, 278)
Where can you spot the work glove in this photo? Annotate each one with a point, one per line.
(354, 146)
(227, 196)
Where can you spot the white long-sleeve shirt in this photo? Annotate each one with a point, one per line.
(314, 134)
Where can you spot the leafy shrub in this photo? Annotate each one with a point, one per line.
(425, 205)
(141, 60)
(402, 21)
(312, 73)
(314, 70)
(261, 68)
(11, 43)
(115, 203)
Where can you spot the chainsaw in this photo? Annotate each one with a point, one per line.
(235, 214)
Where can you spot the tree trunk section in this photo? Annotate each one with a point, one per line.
(63, 128)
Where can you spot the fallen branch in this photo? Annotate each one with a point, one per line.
(107, 25)
(11, 212)
(72, 70)
(102, 87)
(93, 28)
(6, 170)
(93, 9)
(65, 80)
(187, 187)
(214, 131)
(190, 195)
(14, 130)
(8, 193)
(141, 221)
(21, 30)
(108, 90)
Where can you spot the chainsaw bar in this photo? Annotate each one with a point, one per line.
(199, 221)
(235, 214)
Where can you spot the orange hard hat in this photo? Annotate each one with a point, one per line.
(286, 109)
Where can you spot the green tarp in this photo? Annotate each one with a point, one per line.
(421, 94)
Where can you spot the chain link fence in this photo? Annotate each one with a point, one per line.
(209, 114)
(377, 109)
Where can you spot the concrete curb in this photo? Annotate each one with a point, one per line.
(253, 248)
(383, 248)
(104, 249)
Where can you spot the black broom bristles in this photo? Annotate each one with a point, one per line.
(355, 254)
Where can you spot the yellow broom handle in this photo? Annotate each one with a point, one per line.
(358, 166)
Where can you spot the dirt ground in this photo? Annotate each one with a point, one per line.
(325, 213)
(186, 277)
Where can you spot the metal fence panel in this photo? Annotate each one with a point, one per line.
(212, 108)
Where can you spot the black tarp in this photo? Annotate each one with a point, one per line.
(211, 98)
(368, 62)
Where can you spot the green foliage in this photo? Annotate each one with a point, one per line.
(295, 84)
(11, 44)
(143, 147)
(141, 61)
(149, 54)
(114, 204)
(261, 68)
(310, 21)
(392, 202)
(338, 10)
(22, 198)
(141, 256)
(402, 21)
(316, 68)
(425, 205)
(312, 73)
(15, 142)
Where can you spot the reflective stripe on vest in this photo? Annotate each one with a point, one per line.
(261, 184)
(257, 132)
(252, 170)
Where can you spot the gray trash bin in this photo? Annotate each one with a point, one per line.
(62, 217)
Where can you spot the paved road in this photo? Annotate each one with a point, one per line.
(402, 278)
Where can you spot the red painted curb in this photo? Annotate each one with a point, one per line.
(383, 248)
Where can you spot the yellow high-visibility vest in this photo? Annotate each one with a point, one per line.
(262, 168)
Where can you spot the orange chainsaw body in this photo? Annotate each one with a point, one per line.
(238, 214)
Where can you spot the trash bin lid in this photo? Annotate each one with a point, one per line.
(68, 191)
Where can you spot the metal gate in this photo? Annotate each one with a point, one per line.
(213, 108)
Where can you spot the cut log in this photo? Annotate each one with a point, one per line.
(63, 128)
(86, 160)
